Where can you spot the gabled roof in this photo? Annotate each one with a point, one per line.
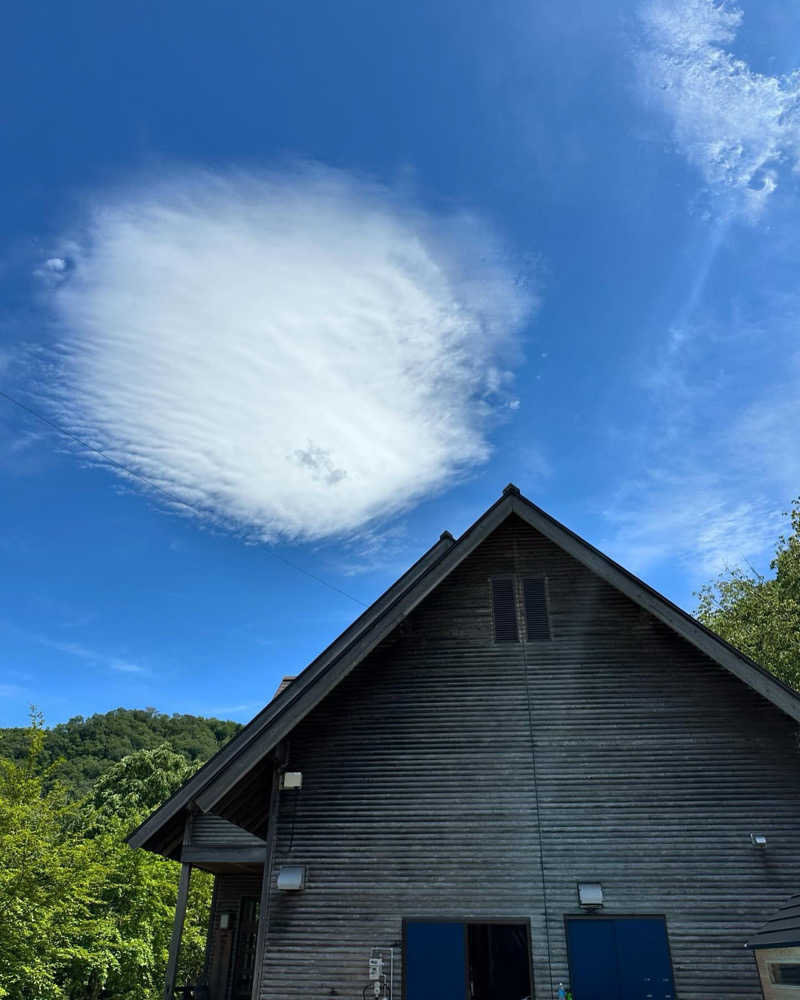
(209, 786)
(782, 929)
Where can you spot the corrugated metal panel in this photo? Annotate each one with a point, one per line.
(213, 831)
(434, 771)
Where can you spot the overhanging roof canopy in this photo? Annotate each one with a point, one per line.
(211, 787)
(782, 930)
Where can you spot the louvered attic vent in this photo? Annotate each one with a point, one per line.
(504, 606)
(536, 621)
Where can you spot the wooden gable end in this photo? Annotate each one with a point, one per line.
(227, 781)
(453, 776)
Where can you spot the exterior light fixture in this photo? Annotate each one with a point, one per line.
(758, 841)
(291, 779)
(590, 895)
(225, 920)
(292, 878)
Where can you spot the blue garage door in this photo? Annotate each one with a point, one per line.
(619, 958)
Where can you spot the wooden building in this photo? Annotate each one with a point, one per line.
(521, 767)
(776, 946)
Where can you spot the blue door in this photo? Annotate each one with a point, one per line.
(593, 970)
(435, 961)
(620, 958)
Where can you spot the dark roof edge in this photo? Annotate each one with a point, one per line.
(183, 796)
(699, 635)
(324, 673)
(791, 941)
(260, 735)
(782, 930)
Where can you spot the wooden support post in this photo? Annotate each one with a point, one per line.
(180, 915)
(266, 882)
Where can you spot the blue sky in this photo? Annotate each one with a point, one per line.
(331, 275)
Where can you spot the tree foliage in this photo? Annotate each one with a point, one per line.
(761, 615)
(82, 916)
(88, 747)
(138, 784)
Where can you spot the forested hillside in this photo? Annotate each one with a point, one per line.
(87, 747)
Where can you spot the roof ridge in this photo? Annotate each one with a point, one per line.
(207, 787)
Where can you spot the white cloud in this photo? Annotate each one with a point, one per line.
(739, 127)
(689, 517)
(718, 467)
(765, 437)
(245, 709)
(53, 271)
(295, 354)
(92, 656)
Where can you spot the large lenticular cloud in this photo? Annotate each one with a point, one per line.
(293, 354)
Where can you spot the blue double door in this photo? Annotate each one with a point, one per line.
(447, 960)
(619, 958)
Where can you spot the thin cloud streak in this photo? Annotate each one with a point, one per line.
(297, 355)
(92, 656)
(717, 471)
(738, 127)
(688, 518)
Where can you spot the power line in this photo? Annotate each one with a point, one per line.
(160, 489)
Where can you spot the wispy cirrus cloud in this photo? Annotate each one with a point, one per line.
(243, 710)
(718, 459)
(740, 128)
(688, 516)
(120, 664)
(294, 354)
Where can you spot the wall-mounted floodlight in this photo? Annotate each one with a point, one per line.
(291, 878)
(590, 894)
(291, 779)
(758, 841)
(225, 920)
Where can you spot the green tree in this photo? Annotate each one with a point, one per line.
(87, 747)
(761, 615)
(51, 878)
(81, 914)
(141, 888)
(136, 785)
(138, 895)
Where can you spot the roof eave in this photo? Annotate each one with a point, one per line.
(186, 796)
(210, 784)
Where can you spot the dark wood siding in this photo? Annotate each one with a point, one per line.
(434, 771)
(212, 831)
(229, 890)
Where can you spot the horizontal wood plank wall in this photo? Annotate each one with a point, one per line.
(213, 831)
(229, 890)
(654, 767)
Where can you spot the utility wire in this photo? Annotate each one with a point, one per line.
(160, 489)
